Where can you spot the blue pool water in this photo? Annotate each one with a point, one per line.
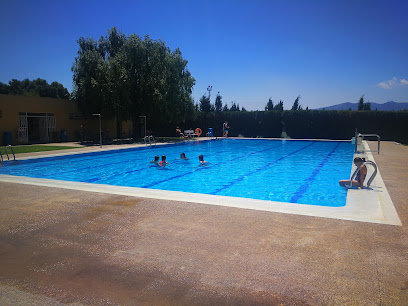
(305, 172)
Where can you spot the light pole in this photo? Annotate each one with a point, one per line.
(100, 129)
(144, 124)
(209, 88)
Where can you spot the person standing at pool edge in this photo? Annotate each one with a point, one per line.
(360, 176)
(225, 128)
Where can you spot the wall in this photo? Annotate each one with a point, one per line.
(10, 106)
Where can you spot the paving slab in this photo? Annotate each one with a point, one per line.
(61, 246)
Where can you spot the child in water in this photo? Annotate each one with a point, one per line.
(163, 162)
(360, 176)
(183, 156)
(202, 161)
(156, 160)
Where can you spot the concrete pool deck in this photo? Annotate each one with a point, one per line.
(69, 246)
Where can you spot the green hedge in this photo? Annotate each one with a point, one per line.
(248, 124)
(306, 124)
(342, 124)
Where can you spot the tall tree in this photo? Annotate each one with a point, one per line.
(279, 106)
(218, 103)
(205, 104)
(234, 107)
(128, 76)
(363, 105)
(296, 105)
(367, 106)
(269, 105)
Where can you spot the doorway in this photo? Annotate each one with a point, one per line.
(36, 127)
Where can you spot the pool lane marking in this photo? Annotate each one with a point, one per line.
(86, 159)
(96, 179)
(90, 156)
(203, 167)
(240, 178)
(303, 188)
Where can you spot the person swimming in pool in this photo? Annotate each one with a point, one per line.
(202, 161)
(163, 162)
(155, 160)
(183, 156)
(360, 176)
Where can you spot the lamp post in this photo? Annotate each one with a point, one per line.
(144, 125)
(100, 129)
(209, 88)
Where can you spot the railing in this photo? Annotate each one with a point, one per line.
(370, 180)
(359, 139)
(151, 140)
(12, 151)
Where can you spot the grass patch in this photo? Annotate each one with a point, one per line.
(34, 148)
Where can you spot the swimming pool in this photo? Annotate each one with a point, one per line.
(304, 172)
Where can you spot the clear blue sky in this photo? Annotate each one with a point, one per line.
(326, 51)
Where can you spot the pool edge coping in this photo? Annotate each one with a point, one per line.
(373, 206)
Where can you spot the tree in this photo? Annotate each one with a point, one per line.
(225, 108)
(234, 107)
(362, 105)
(218, 103)
(367, 106)
(269, 105)
(4, 89)
(38, 87)
(128, 76)
(296, 105)
(205, 104)
(279, 106)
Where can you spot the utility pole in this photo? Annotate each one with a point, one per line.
(100, 129)
(145, 125)
(209, 88)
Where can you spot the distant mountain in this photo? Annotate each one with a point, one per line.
(388, 106)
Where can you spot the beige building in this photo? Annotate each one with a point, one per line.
(26, 120)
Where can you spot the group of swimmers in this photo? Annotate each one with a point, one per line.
(164, 162)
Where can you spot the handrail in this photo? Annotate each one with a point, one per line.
(370, 180)
(357, 135)
(5, 148)
(378, 141)
(150, 138)
(12, 151)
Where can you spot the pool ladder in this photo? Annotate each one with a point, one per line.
(12, 151)
(370, 180)
(149, 139)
